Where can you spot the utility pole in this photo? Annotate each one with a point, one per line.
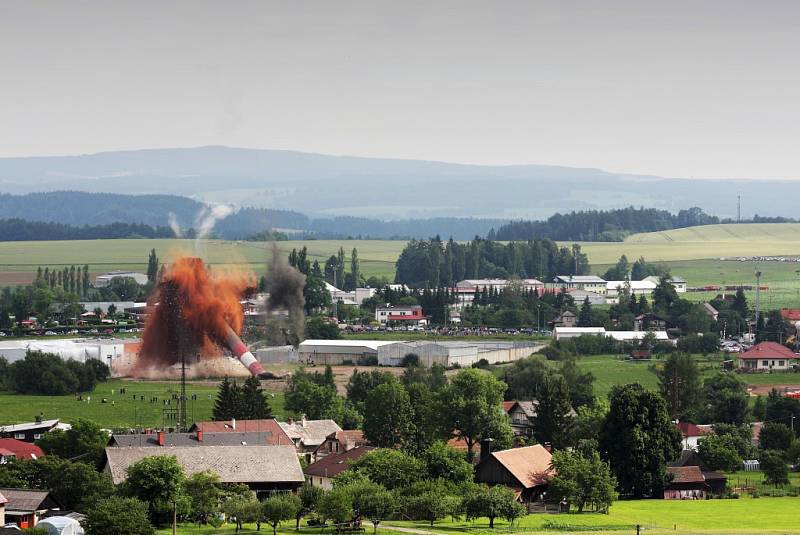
(739, 208)
(758, 299)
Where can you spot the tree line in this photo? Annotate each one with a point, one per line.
(433, 263)
(24, 230)
(601, 225)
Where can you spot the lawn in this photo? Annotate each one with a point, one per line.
(120, 411)
(743, 516)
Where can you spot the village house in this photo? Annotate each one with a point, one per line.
(30, 431)
(339, 442)
(269, 429)
(264, 469)
(25, 508)
(565, 319)
(525, 470)
(199, 438)
(308, 435)
(692, 434)
(522, 415)
(321, 472)
(768, 356)
(12, 449)
(715, 481)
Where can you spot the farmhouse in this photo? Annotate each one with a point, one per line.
(526, 470)
(262, 468)
(768, 356)
(565, 319)
(589, 283)
(465, 290)
(269, 428)
(321, 473)
(200, 438)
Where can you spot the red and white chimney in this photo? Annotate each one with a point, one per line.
(160, 438)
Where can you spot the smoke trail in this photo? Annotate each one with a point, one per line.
(173, 224)
(208, 217)
(285, 287)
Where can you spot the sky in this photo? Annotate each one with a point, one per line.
(705, 89)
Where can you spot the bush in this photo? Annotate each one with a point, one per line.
(411, 359)
(368, 360)
(482, 364)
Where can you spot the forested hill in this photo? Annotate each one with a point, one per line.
(71, 211)
(602, 225)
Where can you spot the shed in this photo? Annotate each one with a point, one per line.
(686, 483)
(526, 470)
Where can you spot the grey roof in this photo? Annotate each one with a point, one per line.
(710, 309)
(25, 500)
(310, 432)
(233, 464)
(232, 438)
(677, 280)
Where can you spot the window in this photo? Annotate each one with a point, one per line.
(19, 436)
(765, 363)
(781, 363)
(37, 436)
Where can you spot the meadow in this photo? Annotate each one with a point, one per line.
(712, 517)
(120, 411)
(19, 260)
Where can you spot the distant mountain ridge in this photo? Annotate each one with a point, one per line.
(387, 189)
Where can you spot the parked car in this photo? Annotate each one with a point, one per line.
(49, 333)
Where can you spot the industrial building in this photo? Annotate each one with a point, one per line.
(337, 352)
(79, 349)
(562, 333)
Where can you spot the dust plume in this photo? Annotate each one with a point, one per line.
(195, 307)
(208, 217)
(173, 224)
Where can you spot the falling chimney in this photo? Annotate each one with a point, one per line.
(161, 438)
(233, 424)
(486, 448)
(199, 435)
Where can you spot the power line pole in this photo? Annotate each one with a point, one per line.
(758, 298)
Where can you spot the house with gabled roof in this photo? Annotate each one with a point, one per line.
(322, 472)
(685, 483)
(25, 507)
(339, 442)
(308, 435)
(269, 427)
(13, 449)
(525, 470)
(264, 469)
(692, 434)
(768, 356)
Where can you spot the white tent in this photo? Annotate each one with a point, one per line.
(61, 525)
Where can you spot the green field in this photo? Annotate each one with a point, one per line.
(124, 412)
(378, 256)
(743, 517)
(610, 370)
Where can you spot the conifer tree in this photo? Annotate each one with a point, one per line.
(585, 316)
(254, 401)
(229, 401)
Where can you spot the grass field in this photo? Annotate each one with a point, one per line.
(19, 260)
(610, 370)
(124, 412)
(742, 517)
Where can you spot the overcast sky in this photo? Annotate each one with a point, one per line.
(674, 88)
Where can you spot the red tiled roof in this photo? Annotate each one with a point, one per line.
(508, 405)
(276, 435)
(769, 350)
(791, 314)
(686, 474)
(21, 450)
(335, 463)
(692, 430)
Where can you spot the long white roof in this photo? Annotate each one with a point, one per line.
(636, 335)
(371, 344)
(634, 285)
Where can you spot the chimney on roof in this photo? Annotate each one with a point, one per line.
(199, 435)
(486, 448)
(305, 422)
(290, 421)
(161, 438)
(233, 424)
